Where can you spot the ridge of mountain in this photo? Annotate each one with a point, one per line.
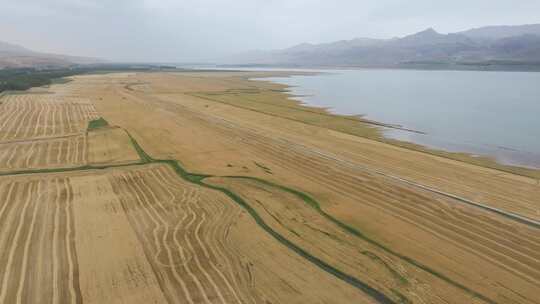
(16, 56)
(501, 44)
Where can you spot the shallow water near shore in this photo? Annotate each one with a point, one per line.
(494, 114)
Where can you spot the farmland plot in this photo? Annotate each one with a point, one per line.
(202, 205)
(104, 146)
(28, 116)
(68, 151)
(44, 131)
(142, 235)
(497, 246)
(110, 145)
(38, 256)
(184, 230)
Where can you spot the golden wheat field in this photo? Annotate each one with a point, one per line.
(208, 187)
(42, 115)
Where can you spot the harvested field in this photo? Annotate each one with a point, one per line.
(110, 145)
(207, 187)
(104, 146)
(44, 131)
(38, 257)
(173, 229)
(513, 254)
(67, 151)
(28, 116)
(144, 236)
(184, 230)
(486, 253)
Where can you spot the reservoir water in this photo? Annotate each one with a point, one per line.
(495, 114)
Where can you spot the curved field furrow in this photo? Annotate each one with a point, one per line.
(204, 269)
(148, 234)
(204, 205)
(183, 256)
(28, 155)
(211, 258)
(182, 225)
(11, 156)
(198, 280)
(191, 245)
(214, 256)
(166, 239)
(162, 176)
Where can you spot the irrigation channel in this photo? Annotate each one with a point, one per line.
(198, 179)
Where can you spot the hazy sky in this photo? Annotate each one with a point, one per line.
(190, 30)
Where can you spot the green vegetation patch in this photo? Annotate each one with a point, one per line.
(97, 123)
(26, 78)
(23, 79)
(61, 80)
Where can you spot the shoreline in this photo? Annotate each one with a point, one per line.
(415, 67)
(482, 160)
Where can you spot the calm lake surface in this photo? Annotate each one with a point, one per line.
(483, 113)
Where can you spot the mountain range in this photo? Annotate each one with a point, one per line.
(508, 45)
(15, 56)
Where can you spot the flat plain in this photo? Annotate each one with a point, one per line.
(209, 187)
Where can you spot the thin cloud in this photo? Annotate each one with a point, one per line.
(193, 30)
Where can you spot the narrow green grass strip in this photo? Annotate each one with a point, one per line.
(315, 205)
(375, 294)
(198, 180)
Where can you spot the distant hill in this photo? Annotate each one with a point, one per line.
(502, 45)
(15, 56)
(6, 49)
(503, 31)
